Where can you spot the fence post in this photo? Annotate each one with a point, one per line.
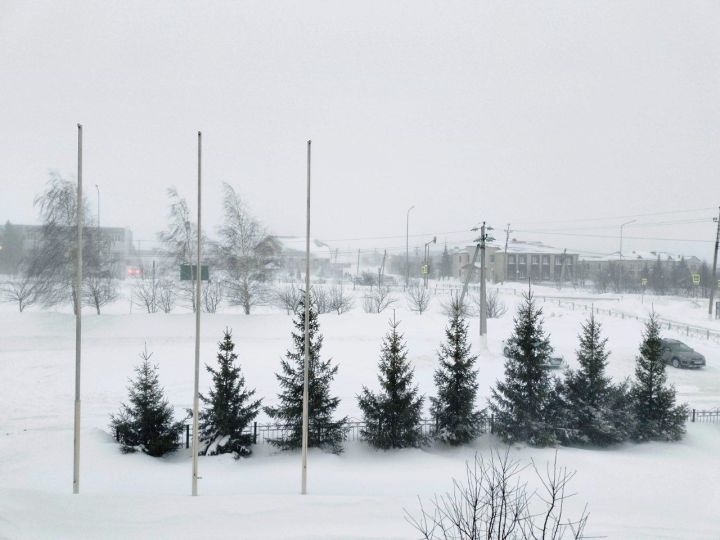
(254, 432)
(708, 334)
(687, 330)
(693, 416)
(492, 423)
(187, 435)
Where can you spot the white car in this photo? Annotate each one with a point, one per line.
(555, 361)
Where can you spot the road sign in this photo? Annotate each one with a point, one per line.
(643, 281)
(424, 268)
(186, 274)
(696, 279)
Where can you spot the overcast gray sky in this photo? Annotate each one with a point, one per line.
(524, 112)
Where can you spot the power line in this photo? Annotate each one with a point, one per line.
(617, 217)
(615, 236)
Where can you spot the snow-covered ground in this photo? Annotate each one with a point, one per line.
(633, 491)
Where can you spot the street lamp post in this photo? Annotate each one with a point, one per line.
(427, 258)
(98, 206)
(407, 247)
(97, 240)
(621, 254)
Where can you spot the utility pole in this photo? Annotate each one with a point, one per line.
(357, 272)
(507, 238)
(78, 319)
(562, 269)
(469, 274)
(622, 269)
(198, 309)
(381, 270)
(427, 258)
(407, 247)
(714, 282)
(306, 372)
(484, 238)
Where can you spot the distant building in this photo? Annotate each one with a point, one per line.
(536, 260)
(634, 264)
(119, 239)
(323, 259)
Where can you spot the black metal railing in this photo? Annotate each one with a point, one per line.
(262, 433)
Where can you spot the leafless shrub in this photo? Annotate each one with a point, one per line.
(450, 306)
(166, 295)
(418, 297)
(22, 289)
(99, 289)
(495, 307)
(146, 292)
(212, 294)
(340, 301)
(245, 292)
(492, 502)
(377, 300)
(288, 297)
(321, 299)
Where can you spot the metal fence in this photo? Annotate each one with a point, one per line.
(706, 417)
(578, 304)
(263, 433)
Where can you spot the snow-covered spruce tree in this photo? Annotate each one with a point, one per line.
(323, 431)
(456, 384)
(521, 403)
(588, 395)
(392, 415)
(656, 415)
(229, 407)
(147, 423)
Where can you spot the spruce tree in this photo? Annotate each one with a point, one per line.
(229, 408)
(521, 403)
(323, 431)
(445, 263)
(456, 384)
(589, 398)
(658, 280)
(657, 417)
(147, 423)
(392, 415)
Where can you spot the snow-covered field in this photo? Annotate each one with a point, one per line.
(632, 491)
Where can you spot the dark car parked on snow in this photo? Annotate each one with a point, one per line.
(678, 355)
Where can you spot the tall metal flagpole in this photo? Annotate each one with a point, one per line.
(78, 319)
(198, 285)
(303, 489)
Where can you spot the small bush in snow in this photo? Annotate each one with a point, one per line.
(378, 300)
(339, 300)
(418, 297)
(212, 296)
(288, 297)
